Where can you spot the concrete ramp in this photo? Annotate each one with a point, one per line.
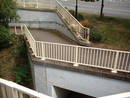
(50, 36)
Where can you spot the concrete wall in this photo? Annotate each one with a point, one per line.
(46, 77)
(46, 20)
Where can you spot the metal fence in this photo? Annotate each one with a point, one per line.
(10, 89)
(42, 4)
(87, 56)
(72, 22)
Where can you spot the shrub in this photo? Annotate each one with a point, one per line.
(22, 74)
(22, 49)
(80, 16)
(95, 37)
(85, 22)
(5, 37)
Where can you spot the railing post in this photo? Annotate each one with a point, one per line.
(15, 30)
(36, 3)
(43, 51)
(114, 70)
(22, 31)
(3, 91)
(76, 57)
(88, 35)
(23, 3)
(15, 93)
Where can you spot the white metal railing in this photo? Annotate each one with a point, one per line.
(74, 24)
(44, 4)
(10, 89)
(79, 30)
(87, 56)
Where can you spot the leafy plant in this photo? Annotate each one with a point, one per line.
(95, 36)
(0, 71)
(22, 74)
(8, 12)
(80, 16)
(5, 37)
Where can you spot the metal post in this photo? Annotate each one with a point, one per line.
(43, 51)
(102, 6)
(23, 3)
(36, 3)
(88, 35)
(76, 57)
(115, 63)
(15, 30)
(76, 9)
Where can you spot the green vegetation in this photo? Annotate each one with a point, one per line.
(115, 31)
(94, 36)
(5, 37)
(14, 63)
(111, 32)
(7, 12)
(22, 68)
(80, 16)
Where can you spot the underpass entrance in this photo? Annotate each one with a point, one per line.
(64, 93)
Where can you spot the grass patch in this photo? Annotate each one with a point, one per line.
(115, 31)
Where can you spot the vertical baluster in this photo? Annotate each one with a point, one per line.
(114, 70)
(102, 60)
(127, 62)
(94, 55)
(106, 59)
(61, 48)
(15, 93)
(123, 61)
(43, 51)
(96, 58)
(76, 56)
(3, 91)
(99, 59)
(66, 50)
(56, 53)
(21, 95)
(88, 56)
(82, 55)
(119, 61)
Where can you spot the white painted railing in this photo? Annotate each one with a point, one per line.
(73, 23)
(78, 55)
(10, 89)
(45, 4)
(80, 31)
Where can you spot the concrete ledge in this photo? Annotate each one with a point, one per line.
(37, 9)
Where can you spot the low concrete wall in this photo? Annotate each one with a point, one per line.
(46, 77)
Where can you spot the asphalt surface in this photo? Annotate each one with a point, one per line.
(116, 9)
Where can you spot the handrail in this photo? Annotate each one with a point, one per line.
(114, 60)
(10, 89)
(71, 15)
(73, 22)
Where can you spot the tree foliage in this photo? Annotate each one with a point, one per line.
(5, 37)
(8, 12)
